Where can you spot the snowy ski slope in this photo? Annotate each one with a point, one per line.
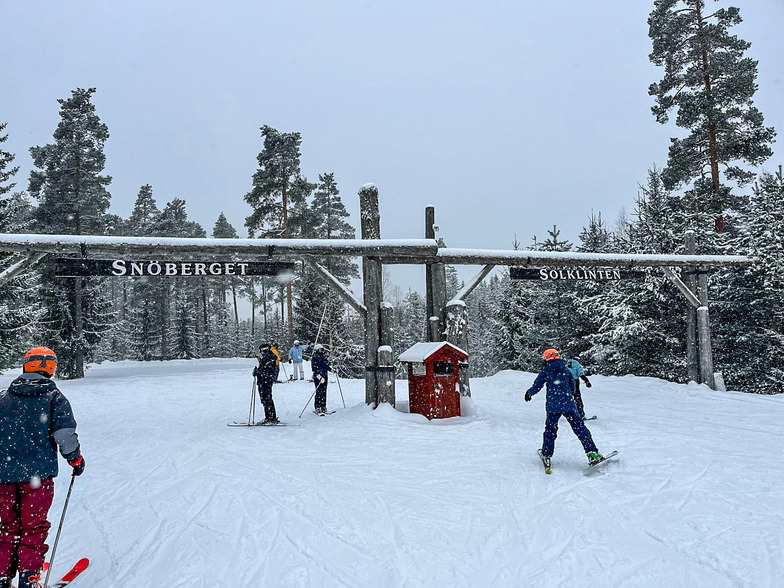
(173, 497)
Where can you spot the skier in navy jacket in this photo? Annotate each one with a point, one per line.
(265, 374)
(35, 419)
(320, 366)
(560, 402)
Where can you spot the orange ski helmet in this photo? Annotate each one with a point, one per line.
(551, 354)
(40, 360)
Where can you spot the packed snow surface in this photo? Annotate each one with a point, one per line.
(172, 497)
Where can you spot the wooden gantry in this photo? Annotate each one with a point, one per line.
(447, 319)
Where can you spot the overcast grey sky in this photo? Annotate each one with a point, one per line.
(508, 116)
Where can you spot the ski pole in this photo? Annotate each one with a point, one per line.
(309, 399)
(283, 367)
(252, 410)
(59, 528)
(321, 322)
(341, 389)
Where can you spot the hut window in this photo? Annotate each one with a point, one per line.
(443, 368)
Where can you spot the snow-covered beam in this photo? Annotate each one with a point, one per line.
(268, 248)
(455, 256)
(683, 288)
(473, 283)
(337, 286)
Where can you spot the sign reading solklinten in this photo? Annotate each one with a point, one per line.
(580, 274)
(73, 267)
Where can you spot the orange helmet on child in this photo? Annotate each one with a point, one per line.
(551, 354)
(41, 360)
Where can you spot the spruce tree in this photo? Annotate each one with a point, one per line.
(19, 311)
(749, 305)
(73, 199)
(174, 295)
(711, 83)
(142, 310)
(639, 323)
(326, 218)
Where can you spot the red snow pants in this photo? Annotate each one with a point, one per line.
(23, 525)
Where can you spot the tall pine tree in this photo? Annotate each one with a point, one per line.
(73, 199)
(711, 83)
(277, 189)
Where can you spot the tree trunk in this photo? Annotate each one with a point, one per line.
(234, 296)
(78, 347)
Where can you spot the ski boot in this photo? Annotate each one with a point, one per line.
(594, 457)
(29, 579)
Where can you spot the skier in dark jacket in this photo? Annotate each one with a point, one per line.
(35, 419)
(560, 402)
(265, 374)
(320, 366)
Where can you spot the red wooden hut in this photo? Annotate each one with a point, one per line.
(434, 378)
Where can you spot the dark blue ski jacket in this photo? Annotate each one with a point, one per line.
(265, 371)
(35, 418)
(560, 386)
(320, 365)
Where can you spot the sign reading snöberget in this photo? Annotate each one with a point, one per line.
(76, 267)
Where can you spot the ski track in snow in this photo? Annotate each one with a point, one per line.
(362, 498)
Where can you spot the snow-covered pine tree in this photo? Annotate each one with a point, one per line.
(326, 219)
(178, 293)
(551, 305)
(143, 293)
(639, 324)
(277, 189)
(711, 83)
(73, 199)
(749, 306)
(481, 318)
(221, 324)
(19, 311)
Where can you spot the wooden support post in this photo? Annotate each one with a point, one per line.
(385, 375)
(434, 324)
(387, 324)
(457, 334)
(430, 233)
(704, 332)
(706, 353)
(370, 221)
(692, 365)
(439, 295)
